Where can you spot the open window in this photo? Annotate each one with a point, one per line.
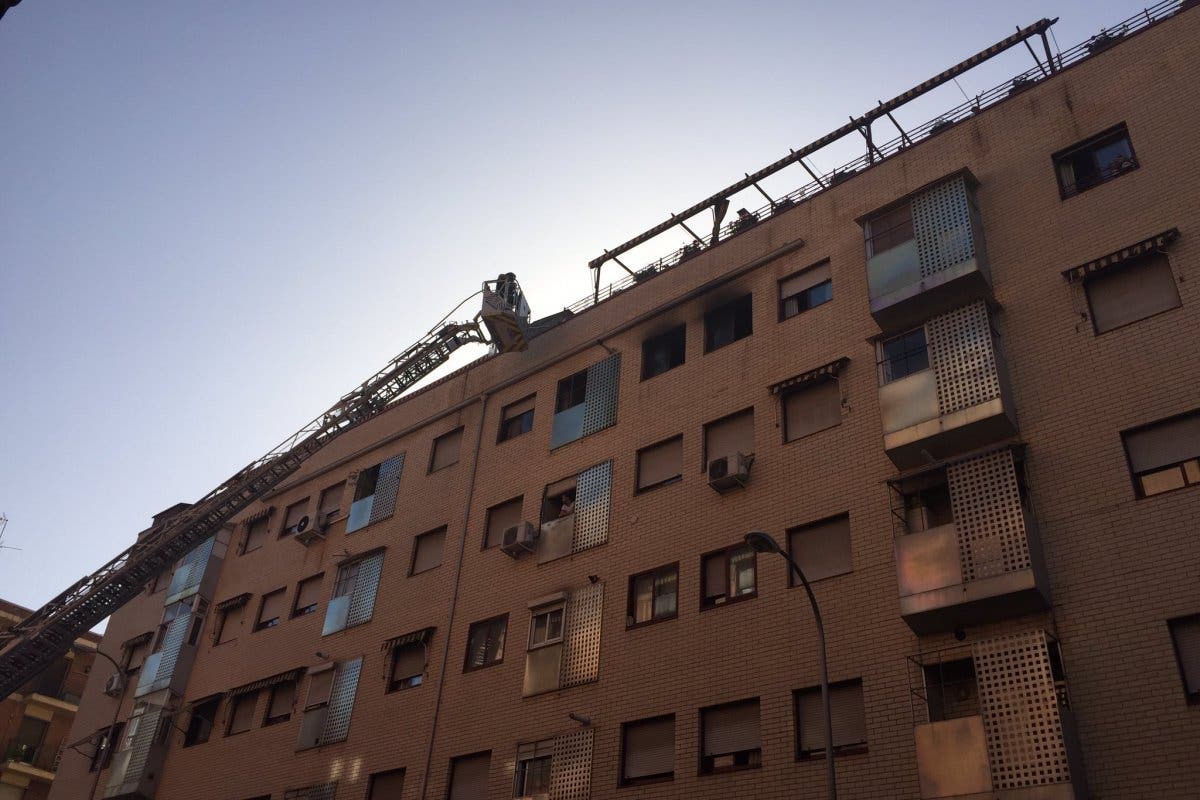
(728, 323)
(663, 352)
(375, 493)
(201, 721)
(805, 290)
(1185, 636)
(279, 704)
(1094, 161)
(516, 418)
(353, 600)
(485, 643)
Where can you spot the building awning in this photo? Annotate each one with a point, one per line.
(416, 637)
(262, 513)
(237, 601)
(361, 556)
(138, 640)
(813, 375)
(283, 677)
(1155, 244)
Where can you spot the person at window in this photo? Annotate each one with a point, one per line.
(568, 504)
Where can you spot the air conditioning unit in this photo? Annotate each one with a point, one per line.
(729, 472)
(519, 540)
(114, 685)
(310, 529)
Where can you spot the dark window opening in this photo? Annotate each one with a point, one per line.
(367, 480)
(663, 352)
(485, 643)
(1095, 161)
(728, 323)
(903, 355)
(572, 391)
(516, 418)
(889, 229)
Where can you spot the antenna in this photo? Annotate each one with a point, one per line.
(3, 525)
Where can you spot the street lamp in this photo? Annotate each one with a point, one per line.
(763, 542)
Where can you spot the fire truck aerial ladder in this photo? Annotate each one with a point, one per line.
(33, 644)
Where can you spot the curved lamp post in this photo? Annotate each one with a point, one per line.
(762, 542)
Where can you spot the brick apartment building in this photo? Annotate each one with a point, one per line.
(35, 721)
(960, 384)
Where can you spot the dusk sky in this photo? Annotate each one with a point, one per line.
(216, 218)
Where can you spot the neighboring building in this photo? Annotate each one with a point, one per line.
(528, 578)
(35, 722)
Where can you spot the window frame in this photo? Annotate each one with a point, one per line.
(631, 597)
(1091, 143)
(870, 234)
(244, 548)
(883, 362)
(519, 762)
(519, 500)
(808, 526)
(259, 623)
(222, 620)
(286, 530)
(215, 702)
(725, 554)
(714, 770)
(839, 751)
(734, 307)
(386, 773)
(792, 391)
(637, 466)
(499, 618)
(705, 456)
(399, 685)
(547, 610)
(234, 704)
(667, 337)
(460, 431)
(1132, 264)
(1192, 698)
(312, 607)
(1135, 477)
(783, 315)
(412, 563)
(268, 720)
(502, 435)
(572, 384)
(663, 777)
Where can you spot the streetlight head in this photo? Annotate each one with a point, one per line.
(762, 542)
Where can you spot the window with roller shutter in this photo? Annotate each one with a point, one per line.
(292, 516)
(810, 408)
(847, 712)
(516, 418)
(821, 549)
(270, 609)
(387, 785)
(804, 290)
(500, 518)
(241, 713)
(408, 666)
(1185, 636)
(308, 594)
(729, 436)
(1165, 455)
(331, 502)
(729, 737)
(469, 776)
(485, 643)
(660, 464)
(445, 450)
(279, 704)
(728, 575)
(427, 551)
(1131, 292)
(648, 750)
(256, 534)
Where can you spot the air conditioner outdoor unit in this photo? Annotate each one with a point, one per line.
(310, 529)
(519, 540)
(729, 472)
(114, 685)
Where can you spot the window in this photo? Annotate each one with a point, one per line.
(445, 450)
(653, 595)
(727, 437)
(534, 760)
(106, 740)
(291, 518)
(1165, 455)
(729, 737)
(848, 715)
(308, 592)
(1095, 161)
(1185, 635)
(229, 621)
(546, 626)
(811, 407)
(256, 534)
(500, 518)
(331, 502)
(805, 290)
(821, 549)
(375, 493)
(136, 651)
(279, 708)
(951, 691)
(270, 610)
(660, 464)
(663, 352)
(162, 580)
(316, 705)
(927, 502)
(1131, 292)
(728, 575)
(558, 499)
(572, 391)
(427, 551)
(386, 785)
(469, 776)
(241, 713)
(354, 590)
(648, 750)
(485, 643)
(408, 666)
(903, 355)
(728, 323)
(888, 229)
(516, 418)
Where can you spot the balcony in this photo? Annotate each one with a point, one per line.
(25, 762)
(968, 550)
(944, 388)
(994, 722)
(925, 255)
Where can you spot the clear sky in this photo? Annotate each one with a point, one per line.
(216, 218)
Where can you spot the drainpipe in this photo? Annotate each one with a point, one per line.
(462, 549)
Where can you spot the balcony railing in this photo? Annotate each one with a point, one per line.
(957, 403)
(990, 722)
(984, 565)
